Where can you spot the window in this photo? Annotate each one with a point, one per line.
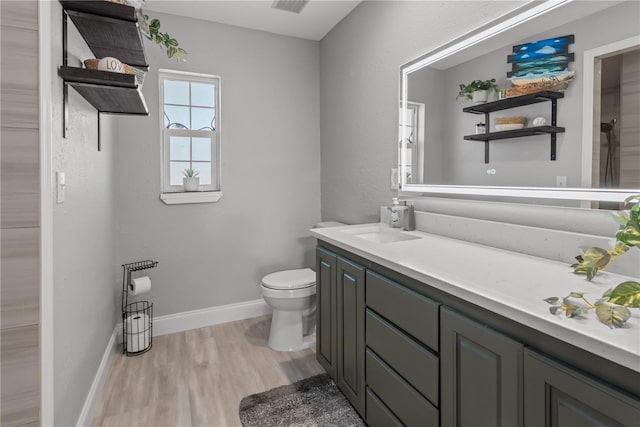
(414, 142)
(190, 127)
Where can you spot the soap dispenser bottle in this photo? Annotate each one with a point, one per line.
(395, 213)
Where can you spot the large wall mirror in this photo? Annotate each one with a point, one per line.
(596, 152)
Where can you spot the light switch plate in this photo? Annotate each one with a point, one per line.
(561, 181)
(61, 187)
(394, 178)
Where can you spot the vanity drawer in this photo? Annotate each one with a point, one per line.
(414, 313)
(403, 400)
(412, 361)
(378, 415)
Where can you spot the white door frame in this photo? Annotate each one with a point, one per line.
(591, 57)
(45, 78)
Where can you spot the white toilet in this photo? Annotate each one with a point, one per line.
(292, 294)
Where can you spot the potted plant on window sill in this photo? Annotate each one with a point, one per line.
(191, 180)
(478, 90)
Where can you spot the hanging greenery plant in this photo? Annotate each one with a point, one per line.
(612, 308)
(163, 39)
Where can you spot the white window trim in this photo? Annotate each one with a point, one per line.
(209, 194)
(191, 197)
(414, 169)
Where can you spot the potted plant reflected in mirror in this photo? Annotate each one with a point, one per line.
(478, 90)
(191, 180)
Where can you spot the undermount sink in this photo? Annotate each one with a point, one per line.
(380, 234)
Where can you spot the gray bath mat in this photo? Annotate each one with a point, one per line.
(311, 402)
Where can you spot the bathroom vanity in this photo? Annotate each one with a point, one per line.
(419, 329)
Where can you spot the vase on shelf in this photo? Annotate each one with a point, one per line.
(480, 96)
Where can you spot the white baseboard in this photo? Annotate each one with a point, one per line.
(194, 319)
(95, 392)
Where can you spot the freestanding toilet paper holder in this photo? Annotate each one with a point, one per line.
(137, 316)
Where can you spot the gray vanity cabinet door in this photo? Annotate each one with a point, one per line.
(481, 374)
(326, 311)
(557, 396)
(350, 286)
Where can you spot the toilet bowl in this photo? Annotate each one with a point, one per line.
(292, 294)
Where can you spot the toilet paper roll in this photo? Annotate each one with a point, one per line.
(140, 285)
(138, 332)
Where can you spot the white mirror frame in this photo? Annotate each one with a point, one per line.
(465, 42)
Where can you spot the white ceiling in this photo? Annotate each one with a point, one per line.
(314, 22)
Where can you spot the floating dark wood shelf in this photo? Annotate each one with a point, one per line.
(102, 8)
(109, 29)
(516, 133)
(83, 75)
(513, 102)
(108, 92)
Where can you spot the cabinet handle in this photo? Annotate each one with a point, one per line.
(349, 277)
(325, 264)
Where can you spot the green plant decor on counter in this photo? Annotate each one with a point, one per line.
(163, 39)
(466, 91)
(612, 309)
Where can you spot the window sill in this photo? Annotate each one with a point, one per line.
(191, 197)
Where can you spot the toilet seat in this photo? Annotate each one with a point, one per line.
(288, 294)
(290, 279)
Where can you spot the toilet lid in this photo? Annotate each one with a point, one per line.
(290, 279)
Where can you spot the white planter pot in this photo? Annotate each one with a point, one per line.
(480, 96)
(191, 184)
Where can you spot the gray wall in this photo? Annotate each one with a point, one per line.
(84, 238)
(216, 253)
(359, 84)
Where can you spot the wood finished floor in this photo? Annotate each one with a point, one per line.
(198, 377)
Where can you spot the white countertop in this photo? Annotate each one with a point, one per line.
(507, 283)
